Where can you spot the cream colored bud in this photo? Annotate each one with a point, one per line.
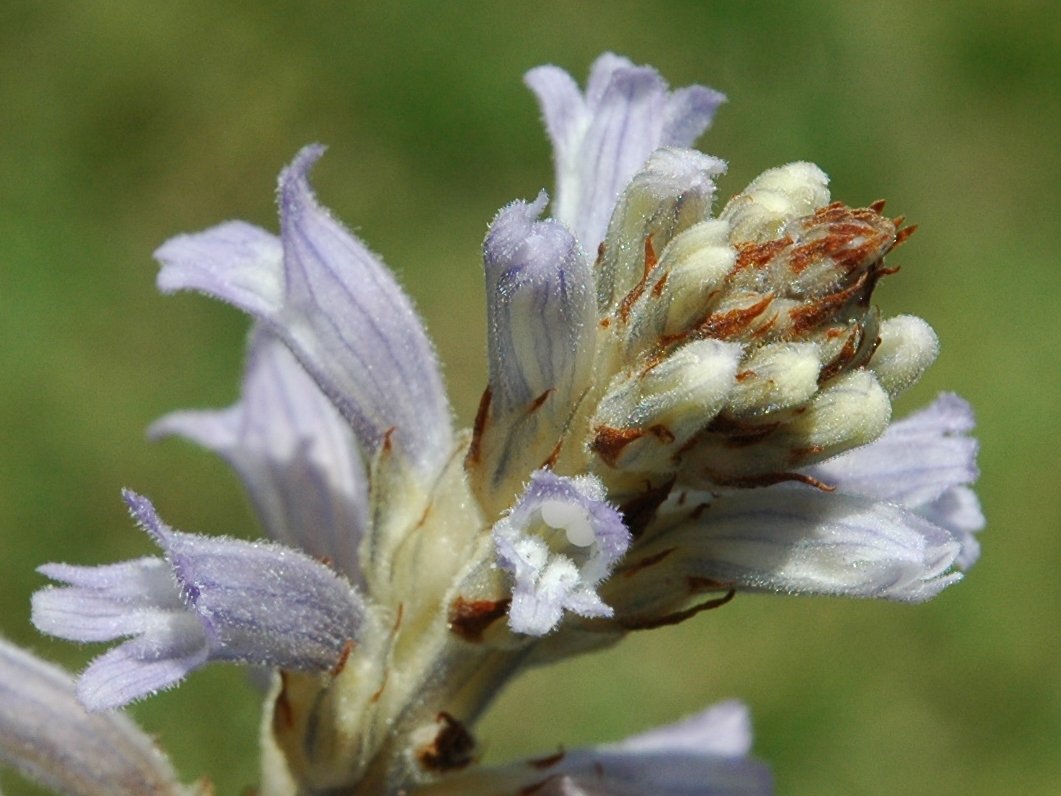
(691, 270)
(776, 196)
(777, 376)
(908, 345)
(647, 415)
(694, 265)
(853, 410)
(673, 191)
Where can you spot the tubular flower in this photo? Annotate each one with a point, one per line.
(680, 406)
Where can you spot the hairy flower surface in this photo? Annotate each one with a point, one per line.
(680, 406)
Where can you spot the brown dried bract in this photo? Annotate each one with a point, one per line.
(644, 563)
(635, 293)
(475, 447)
(469, 619)
(452, 748)
(678, 617)
(608, 443)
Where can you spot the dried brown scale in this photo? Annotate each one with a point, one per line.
(548, 761)
(766, 479)
(479, 426)
(541, 399)
(639, 511)
(678, 616)
(730, 324)
(452, 748)
(283, 711)
(469, 619)
(344, 656)
(737, 429)
(608, 443)
(635, 292)
(807, 316)
(644, 563)
(845, 357)
(756, 255)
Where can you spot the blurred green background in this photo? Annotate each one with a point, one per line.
(122, 124)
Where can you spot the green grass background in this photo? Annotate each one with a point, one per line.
(122, 124)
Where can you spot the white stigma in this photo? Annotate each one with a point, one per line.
(571, 518)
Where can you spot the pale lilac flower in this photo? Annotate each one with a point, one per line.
(559, 541)
(49, 736)
(210, 599)
(680, 406)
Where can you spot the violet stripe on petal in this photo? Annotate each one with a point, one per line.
(336, 306)
(214, 599)
(602, 138)
(294, 452)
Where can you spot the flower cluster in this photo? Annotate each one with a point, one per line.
(680, 406)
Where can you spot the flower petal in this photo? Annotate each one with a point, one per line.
(914, 461)
(703, 755)
(294, 452)
(559, 541)
(541, 323)
(47, 735)
(337, 307)
(790, 539)
(249, 602)
(601, 139)
(923, 462)
(258, 602)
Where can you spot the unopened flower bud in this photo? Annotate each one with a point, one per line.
(646, 416)
(777, 376)
(692, 267)
(908, 345)
(671, 193)
(772, 199)
(851, 410)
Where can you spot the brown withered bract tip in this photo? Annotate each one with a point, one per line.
(452, 748)
(469, 619)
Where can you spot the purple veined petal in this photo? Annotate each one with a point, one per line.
(258, 602)
(541, 334)
(958, 510)
(337, 307)
(703, 755)
(602, 138)
(294, 453)
(227, 600)
(914, 461)
(47, 735)
(923, 462)
(559, 541)
(794, 540)
(236, 262)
